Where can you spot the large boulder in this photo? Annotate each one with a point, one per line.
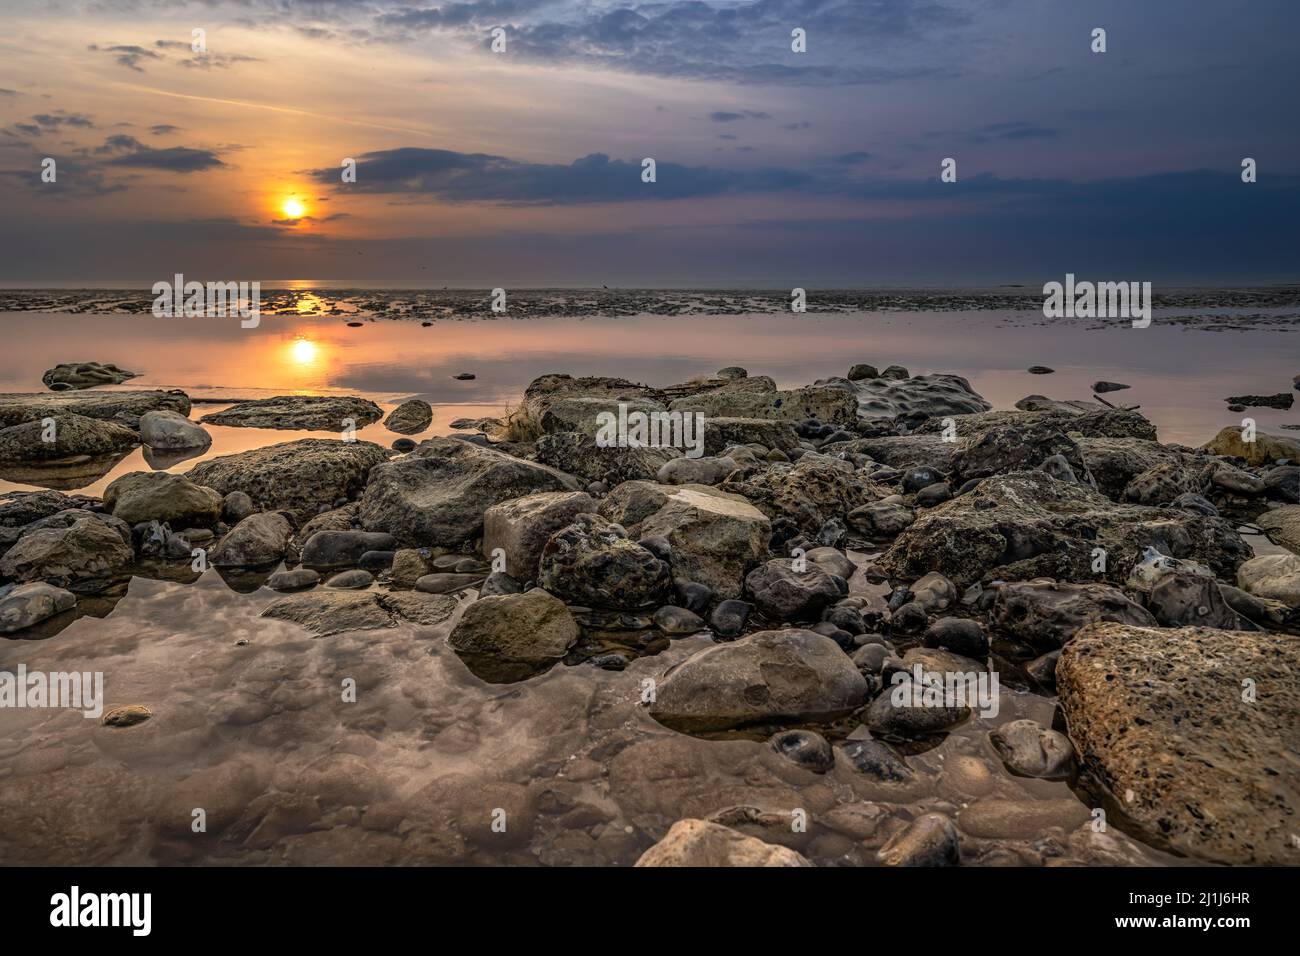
(62, 436)
(1189, 730)
(715, 537)
(1282, 526)
(162, 496)
(768, 677)
(410, 418)
(592, 563)
(1264, 450)
(1045, 613)
(257, 541)
(1026, 525)
(723, 432)
(547, 390)
(436, 495)
(905, 451)
(342, 548)
(68, 375)
(165, 429)
(510, 636)
(124, 408)
(1272, 576)
(521, 527)
(753, 398)
(331, 611)
(699, 843)
(28, 604)
(84, 556)
(317, 413)
(1140, 470)
(578, 453)
(300, 476)
(999, 449)
(936, 396)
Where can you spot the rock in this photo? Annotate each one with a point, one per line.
(1154, 566)
(498, 582)
(83, 557)
(881, 519)
(522, 526)
(699, 843)
(580, 454)
(354, 580)
(30, 603)
(124, 408)
(84, 375)
(1030, 750)
(532, 630)
(767, 677)
(1026, 525)
(960, 635)
(895, 394)
(746, 398)
(1102, 387)
(1045, 613)
(994, 819)
(442, 582)
(918, 477)
(806, 748)
(1264, 450)
(858, 372)
(904, 711)
(877, 760)
(1272, 576)
(437, 495)
(1195, 504)
(834, 561)
(402, 445)
(1178, 600)
(326, 612)
(317, 413)
(909, 618)
(593, 563)
(1282, 400)
(1043, 668)
(1158, 720)
(809, 492)
(409, 565)
(410, 418)
(127, 716)
(1040, 370)
(62, 436)
(299, 579)
(929, 840)
(1283, 483)
(934, 593)
(426, 609)
(715, 537)
(376, 561)
(19, 508)
(722, 433)
(695, 471)
(732, 372)
(258, 540)
(729, 617)
(296, 476)
(162, 428)
(162, 496)
(235, 507)
(677, 621)
(999, 449)
(342, 549)
(935, 494)
(783, 594)
(1282, 526)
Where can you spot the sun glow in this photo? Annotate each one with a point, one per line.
(293, 208)
(303, 351)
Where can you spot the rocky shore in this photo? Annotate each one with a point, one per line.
(800, 593)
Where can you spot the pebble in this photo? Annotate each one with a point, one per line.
(806, 748)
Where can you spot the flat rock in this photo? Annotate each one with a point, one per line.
(27, 604)
(699, 843)
(1264, 450)
(716, 537)
(326, 413)
(410, 418)
(1049, 614)
(165, 429)
(125, 408)
(68, 375)
(331, 612)
(1159, 720)
(71, 436)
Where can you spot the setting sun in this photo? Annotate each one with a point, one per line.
(303, 351)
(293, 208)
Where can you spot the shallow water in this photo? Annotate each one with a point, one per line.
(258, 736)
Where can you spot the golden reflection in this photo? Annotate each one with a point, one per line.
(303, 351)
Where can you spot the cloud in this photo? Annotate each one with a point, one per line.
(479, 177)
(723, 116)
(55, 120)
(176, 159)
(203, 61)
(118, 143)
(127, 55)
(163, 129)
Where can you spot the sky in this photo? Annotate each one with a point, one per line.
(524, 163)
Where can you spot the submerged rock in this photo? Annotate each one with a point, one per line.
(930, 840)
(1160, 721)
(699, 843)
(27, 604)
(515, 634)
(325, 413)
(593, 563)
(326, 612)
(806, 748)
(767, 677)
(1031, 750)
(83, 556)
(299, 579)
(1047, 613)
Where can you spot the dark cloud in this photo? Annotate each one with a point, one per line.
(724, 116)
(478, 177)
(120, 143)
(163, 129)
(127, 55)
(55, 120)
(175, 159)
